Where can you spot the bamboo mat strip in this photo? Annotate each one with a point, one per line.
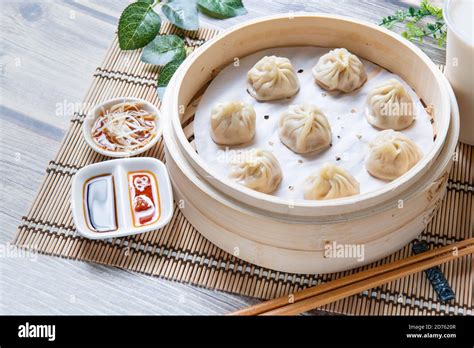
(180, 253)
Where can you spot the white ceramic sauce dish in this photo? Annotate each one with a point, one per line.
(101, 108)
(121, 197)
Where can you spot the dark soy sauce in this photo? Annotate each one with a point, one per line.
(100, 203)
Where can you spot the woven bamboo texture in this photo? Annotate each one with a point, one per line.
(178, 252)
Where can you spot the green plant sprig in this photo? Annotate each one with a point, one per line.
(140, 24)
(413, 30)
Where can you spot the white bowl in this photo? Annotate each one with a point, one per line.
(92, 116)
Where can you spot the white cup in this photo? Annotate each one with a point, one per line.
(458, 15)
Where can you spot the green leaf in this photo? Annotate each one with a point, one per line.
(166, 74)
(442, 39)
(149, 2)
(163, 49)
(138, 25)
(222, 8)
(415, 24)
(182, 13)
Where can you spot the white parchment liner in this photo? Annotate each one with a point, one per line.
(345, 112)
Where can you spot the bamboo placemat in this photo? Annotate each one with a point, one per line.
(180, 253)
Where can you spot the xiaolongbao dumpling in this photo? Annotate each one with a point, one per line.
(330, 182)
(272, 78)
(389, 106)
(339, 70)
(391, 154)
(304, 128)
(232, 123)
(257, 169)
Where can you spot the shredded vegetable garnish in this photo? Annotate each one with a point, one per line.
(124, 128)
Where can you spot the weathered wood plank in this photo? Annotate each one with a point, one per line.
(50, 50)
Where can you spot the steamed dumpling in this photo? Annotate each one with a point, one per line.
(391, 154)
(330, 182)
(272, 78)
(232, 123)
(339, 70)
(304, 128)
(257, 169)
(389, 106)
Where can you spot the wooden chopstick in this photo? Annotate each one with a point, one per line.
(349, 290)
(326, 293)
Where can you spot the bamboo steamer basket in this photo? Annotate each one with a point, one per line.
(366, 40)
(271, 234)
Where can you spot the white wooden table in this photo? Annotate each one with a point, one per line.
(49, 52)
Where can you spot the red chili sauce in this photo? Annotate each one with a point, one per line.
(144, 198)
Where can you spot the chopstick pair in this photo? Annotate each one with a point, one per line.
(323, 294)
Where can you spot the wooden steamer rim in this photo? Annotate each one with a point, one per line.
(385, 48)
